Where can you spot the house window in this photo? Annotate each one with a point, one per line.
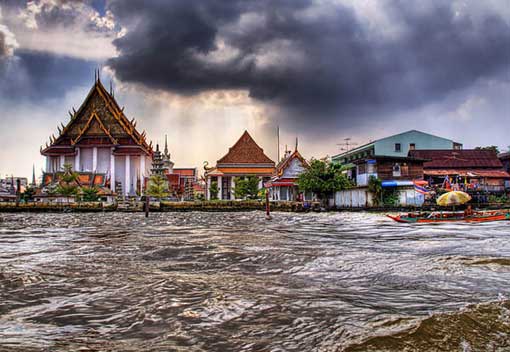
(398, 147)
(412, 146)
(396, 170)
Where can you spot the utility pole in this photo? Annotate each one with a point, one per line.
(278, 141)
(346, 145)
(18, 191)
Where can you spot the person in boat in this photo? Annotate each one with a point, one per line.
(468, 212)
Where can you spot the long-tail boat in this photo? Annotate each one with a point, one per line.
(442, 217)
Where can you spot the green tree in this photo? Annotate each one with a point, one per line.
(214, 190)
(375, 187)
(158, 186)
(28, 195)
(493, 148)
(247, 188)
(67, 185)
(90, 194)
(323, 178)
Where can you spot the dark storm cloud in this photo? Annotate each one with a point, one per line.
(325, 64)
(37, 76)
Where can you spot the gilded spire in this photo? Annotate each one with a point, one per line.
(166, 146)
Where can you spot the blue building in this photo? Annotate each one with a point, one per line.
(387, 158)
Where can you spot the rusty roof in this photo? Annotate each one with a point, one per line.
(245, 151)
(464, 158)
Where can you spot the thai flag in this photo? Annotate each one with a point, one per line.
(446, 183)
(420, 189)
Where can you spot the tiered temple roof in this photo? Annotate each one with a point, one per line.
(99, 122)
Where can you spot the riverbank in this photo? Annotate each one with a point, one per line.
(214, 206)
(138, 206)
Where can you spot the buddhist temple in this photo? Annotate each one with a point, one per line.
(283, 185)
(245, 158)
(101, 144)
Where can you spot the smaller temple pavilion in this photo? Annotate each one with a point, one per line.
(283, 185)
(181, 181)
(245, 158)
(102, 145)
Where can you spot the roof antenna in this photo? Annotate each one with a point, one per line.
(296, 143)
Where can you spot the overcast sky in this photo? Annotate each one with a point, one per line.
(204, 71)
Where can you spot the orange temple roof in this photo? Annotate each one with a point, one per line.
(267, 171)
(245, 151)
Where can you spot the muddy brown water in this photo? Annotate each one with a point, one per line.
(236, 282)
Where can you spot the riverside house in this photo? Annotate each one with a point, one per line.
(245, 158)
(388, 159)
(478, 170)
(505, 159)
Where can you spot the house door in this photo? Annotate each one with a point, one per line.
(226, 187)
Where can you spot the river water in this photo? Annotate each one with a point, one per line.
(237, 282)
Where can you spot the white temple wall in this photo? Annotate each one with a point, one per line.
(134, 172)
(103, 160)
(86, 155)
(120, 169)
(53, 164)
(148, 165)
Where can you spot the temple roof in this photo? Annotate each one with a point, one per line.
(98, 122)
(245, 151)
(283, 164)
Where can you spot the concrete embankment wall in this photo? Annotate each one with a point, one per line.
(362, 198)
(136, 206)
(218, 206)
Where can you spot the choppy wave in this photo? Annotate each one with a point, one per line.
(484, 327)
(237, 282)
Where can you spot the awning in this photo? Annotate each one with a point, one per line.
(395, 183)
